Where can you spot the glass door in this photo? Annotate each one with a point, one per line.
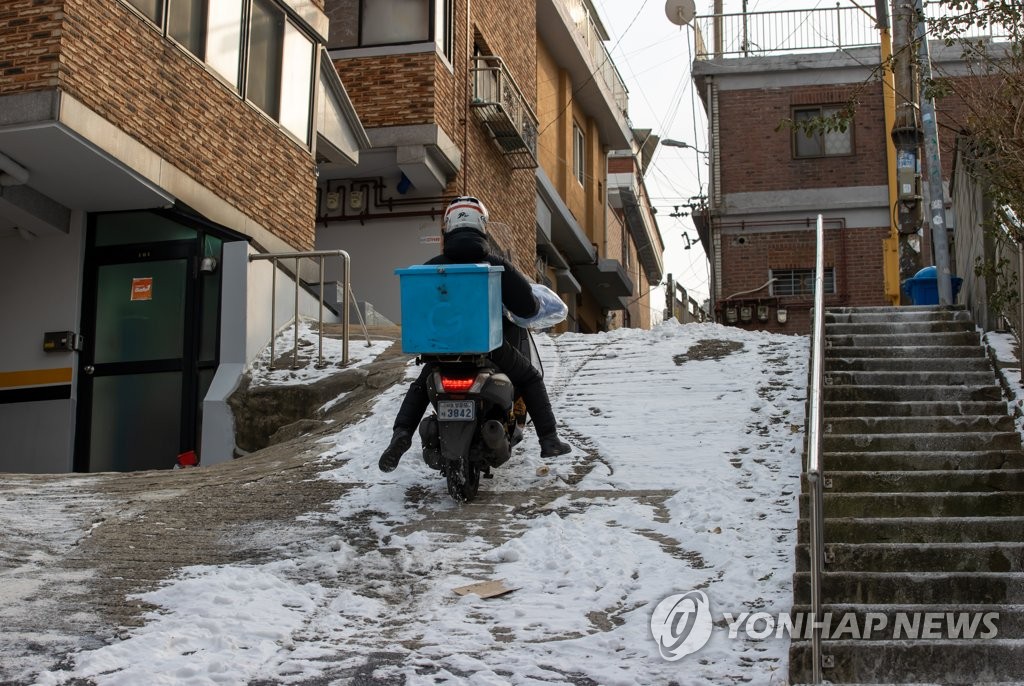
(149, 315)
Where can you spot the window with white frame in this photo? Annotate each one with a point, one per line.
(579, 148)
(793, 282)
(373, 23)
(820, 143)
(277, 74)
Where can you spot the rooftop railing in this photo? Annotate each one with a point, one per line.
(792, 31)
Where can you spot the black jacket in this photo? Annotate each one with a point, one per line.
(470, 247)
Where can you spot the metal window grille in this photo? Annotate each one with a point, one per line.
(789, 282)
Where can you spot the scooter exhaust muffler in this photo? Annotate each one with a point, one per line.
(493, 434)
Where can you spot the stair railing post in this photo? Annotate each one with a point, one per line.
(814, 481)
(273, 309)
(346, 280)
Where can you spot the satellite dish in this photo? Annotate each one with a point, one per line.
(680, 12)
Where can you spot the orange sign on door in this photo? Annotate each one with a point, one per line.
(142, 288)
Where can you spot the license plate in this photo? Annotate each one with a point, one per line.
(456, 410)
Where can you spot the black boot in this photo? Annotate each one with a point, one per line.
(400, 442)
(551, 445)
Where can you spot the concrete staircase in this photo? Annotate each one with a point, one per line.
(924, 506)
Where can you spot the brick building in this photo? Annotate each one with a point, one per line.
(769, 182)
(147, 149)
(508, 102)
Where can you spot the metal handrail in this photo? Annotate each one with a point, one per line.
(814, 435)
(346, 301)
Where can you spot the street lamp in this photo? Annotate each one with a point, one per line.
(682, 144)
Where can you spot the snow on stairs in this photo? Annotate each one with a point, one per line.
(924, 506)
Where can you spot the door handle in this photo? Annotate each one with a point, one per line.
(89, 369)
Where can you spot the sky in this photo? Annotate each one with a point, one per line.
(684, 477)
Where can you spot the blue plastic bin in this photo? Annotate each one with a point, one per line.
(923, 288)
(451, 308)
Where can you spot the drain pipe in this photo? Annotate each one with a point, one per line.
(12, 173)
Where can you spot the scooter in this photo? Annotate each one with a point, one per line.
(477, 421)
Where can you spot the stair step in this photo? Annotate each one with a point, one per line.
(832, 316)
(897, 327)
(938, 459)
(911, 352)
(915, 588)
(928, 408)
(920, 557)
(917, 529)
(925, 481)
(978, 440)
(922, 364)
(953, 377)
(904, 622)
(894, 310)
(911, 339)
(947, 504)
(911, 394)
(939, 424)
(967, 661)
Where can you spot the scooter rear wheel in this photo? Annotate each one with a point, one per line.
(463, 481)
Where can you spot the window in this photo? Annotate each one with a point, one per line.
(790, 282)
(224, 39)
(367, 23)
(386, 22)
(277, 74)
(297, 84)
(266, 38)
(443, 28)
(186, 24)
(828, 144)
(579, 146)
(152, 9)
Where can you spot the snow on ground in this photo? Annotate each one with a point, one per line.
(684, 476)
(1003, 348)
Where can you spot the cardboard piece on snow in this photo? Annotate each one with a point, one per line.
(485, 589)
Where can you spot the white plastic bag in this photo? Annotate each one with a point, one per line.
(550, 309)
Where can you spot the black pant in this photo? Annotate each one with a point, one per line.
(523, 375)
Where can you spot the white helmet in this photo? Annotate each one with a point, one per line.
(465, 212)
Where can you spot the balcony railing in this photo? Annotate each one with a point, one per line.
(604, 67)
(504, 111)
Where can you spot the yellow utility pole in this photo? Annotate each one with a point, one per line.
(890, 245)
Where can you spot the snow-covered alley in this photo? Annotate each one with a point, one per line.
(684, 476)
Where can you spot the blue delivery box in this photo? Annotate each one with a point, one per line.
(450, 308)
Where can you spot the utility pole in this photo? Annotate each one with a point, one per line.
(936, 197)
(906, 135)
(890, 245)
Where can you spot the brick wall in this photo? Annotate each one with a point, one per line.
(30, 45)
(120, 66)
(854, 254)
(757, 158)
(391, 90)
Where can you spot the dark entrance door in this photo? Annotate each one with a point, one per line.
(147, 328)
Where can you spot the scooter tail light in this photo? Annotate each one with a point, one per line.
(455, 384)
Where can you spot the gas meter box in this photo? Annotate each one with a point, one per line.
(450, 308)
